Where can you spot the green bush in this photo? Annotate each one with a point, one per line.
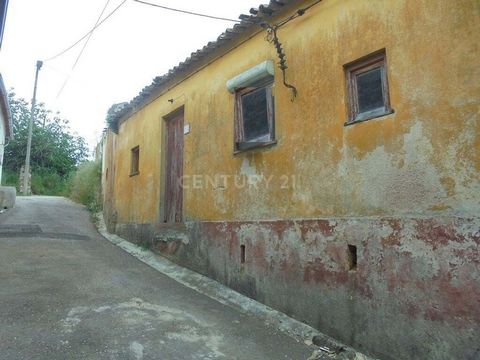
(85, 185)
(44, 182)
(10, 178)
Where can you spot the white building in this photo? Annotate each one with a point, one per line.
(5, 122)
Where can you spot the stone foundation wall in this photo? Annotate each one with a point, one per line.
(397, 288)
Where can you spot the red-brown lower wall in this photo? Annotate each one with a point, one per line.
(413, 290)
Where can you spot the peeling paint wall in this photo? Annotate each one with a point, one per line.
(403, 188)
(414, 293)
(420, 159)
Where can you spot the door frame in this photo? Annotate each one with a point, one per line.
(163, 160)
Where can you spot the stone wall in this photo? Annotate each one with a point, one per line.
(414, 291)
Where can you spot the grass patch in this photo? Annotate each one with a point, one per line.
(10, 178)
(43, 182)
(85, 186)
(47, 183)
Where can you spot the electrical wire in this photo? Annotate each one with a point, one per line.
(298, 13)
(187, 12)
(83, 49)
(272, 37)
(88, 33)
(99, 22)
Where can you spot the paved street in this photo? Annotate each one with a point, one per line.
(67, 293)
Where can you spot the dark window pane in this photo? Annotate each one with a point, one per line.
(135, 161)
(369, 87)
(255, 118)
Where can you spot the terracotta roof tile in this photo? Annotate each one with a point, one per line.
(247, 23)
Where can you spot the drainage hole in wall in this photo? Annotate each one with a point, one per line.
(352, 257)
(242, 254)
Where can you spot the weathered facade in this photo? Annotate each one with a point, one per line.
(5, 117)
(366, 230)
(6, 126)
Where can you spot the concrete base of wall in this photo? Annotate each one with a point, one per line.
(397, 288)
(8, 195)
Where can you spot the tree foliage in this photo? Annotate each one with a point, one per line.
(55, 149)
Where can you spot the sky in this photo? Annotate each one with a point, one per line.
(123, 55)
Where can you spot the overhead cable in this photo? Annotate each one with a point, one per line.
(297, 13)
(83, 49)
(88, 33)
(187, 12)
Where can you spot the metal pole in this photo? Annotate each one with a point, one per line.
(26, 170)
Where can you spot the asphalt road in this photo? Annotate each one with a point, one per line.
(67, 293)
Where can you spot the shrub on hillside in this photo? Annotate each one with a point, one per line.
(44, 182)
(85, 185)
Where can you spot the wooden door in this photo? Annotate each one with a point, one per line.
(174, 169)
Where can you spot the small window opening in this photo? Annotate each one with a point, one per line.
(242, 254)
(254, 117)
(352, 257)
(134, 167)
(367, 85)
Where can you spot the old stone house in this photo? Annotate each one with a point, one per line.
(321, 157)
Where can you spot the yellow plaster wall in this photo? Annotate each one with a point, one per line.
(424, 158)
(136, 197)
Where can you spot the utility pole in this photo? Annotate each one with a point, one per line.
(26, 169)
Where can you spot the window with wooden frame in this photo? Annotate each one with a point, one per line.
(367, 87)
(135, 161)
(254, 116)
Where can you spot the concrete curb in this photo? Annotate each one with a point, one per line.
(299, 331)
(8, 195)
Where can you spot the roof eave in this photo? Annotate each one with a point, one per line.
(227, 41)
